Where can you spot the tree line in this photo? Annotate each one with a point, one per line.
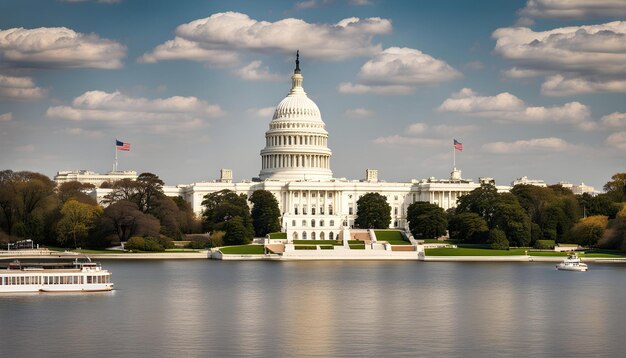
(526, 216)
(134, 211)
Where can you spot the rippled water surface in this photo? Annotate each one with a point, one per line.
(208, 308)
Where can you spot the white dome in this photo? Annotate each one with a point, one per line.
(296, 144)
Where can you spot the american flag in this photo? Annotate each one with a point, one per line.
(458, 145)
(119, 145)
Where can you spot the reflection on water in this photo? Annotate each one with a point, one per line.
(207, 308)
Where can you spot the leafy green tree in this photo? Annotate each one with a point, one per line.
(481, 201)
(236, 232)
(468, 228)
(588, 231)
(265, 213)
(166, 210)
(426, 220)
(601, 204)
(497, 239)
(75, 190)
(78, 218)
(616, 187)
(373, 212)
(534, 200)
(145, 192)
(511, 218)
(224, 205)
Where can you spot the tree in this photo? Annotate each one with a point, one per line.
(601, 204)
(497, 240)
(426, 220)
(124, 220)
(511, 218)
(78, 218)
(588, 231)
(616, 187)
(468, 228)
(144, 192)
(534, 200)
(265, 213)
(236, 232)
(481, 201)
(166, 210)
(76, 190)
(373, 212)
(224, 205)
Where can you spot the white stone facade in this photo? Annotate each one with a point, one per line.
(85, 176)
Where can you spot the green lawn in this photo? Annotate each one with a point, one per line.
(278, 235)
(435, 241)
(357, 247)
(391, 236)
(305, 247)
(243, 250)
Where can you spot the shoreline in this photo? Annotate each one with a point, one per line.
(205, 254)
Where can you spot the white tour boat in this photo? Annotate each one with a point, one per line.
(73, 276)
(572, 263)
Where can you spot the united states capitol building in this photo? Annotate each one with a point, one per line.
(296, 168)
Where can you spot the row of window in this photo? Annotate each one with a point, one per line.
(294, 125)
(53, 280)
(296, 140)
(313, 194)
(313, 236)
(321, 222)
(304, 211)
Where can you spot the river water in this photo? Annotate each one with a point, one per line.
(295, 309)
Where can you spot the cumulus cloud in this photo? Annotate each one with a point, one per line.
(524, 146)
(6, 117)
(617, 140)
(233, 32)
(86, 133)
(173, 113)
(265, 112)
(21, 88)
(404, 140)
(398, 70)
(573, 9)
(181, 49)
(576, 59)
(614, 120)
(505, 107)
(417, 128)
(59, 47)
(254, 72)
(359, 113)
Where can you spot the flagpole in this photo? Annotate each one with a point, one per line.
(115, 167)
(454, 157)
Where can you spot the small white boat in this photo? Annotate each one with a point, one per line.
(572, 263)
(76, 276)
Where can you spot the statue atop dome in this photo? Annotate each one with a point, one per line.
(297, 62)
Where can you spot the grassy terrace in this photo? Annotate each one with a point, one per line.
(391, 236)
(243, 250)
(278, 235)
(483, 250)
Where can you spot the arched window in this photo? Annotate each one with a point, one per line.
(330, 209)
(304, 235)
(331, 236)
(304, 223)
(322, 223)
(312, 222)
(322, 237)
(293, 223)
(332, 223)
(395, 223)
(313, 235)
(295, 235)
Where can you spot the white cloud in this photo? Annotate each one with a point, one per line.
(573, 9)
(360, 2)
(6, 117)
(417, 128)
(22, 88)
(524, 146)
(181, 49)
(474, 65)
(173, 113)
(614, 120)
(404, 140)
(557, 85)
(92, 134)
(578, 59)
(617, 140)
(28, 148)
(254, 72)
(397, 70)
(233, 31)
(506, 107)
(266, 112)
(59, 47)
(308, 4)
(359, 113)
(347, 87)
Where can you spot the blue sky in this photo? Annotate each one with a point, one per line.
(532, 88)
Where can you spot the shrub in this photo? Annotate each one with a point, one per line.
(153, 244)
(135, 243)
(497, 240)
(544, 244)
